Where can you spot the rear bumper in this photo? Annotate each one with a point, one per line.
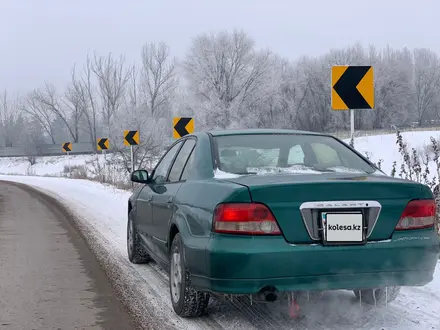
(314, 283)
(238, 265)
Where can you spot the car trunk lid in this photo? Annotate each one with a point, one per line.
(285, 194)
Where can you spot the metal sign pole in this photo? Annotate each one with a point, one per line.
(68, 162)
(132, 158)
(352, 123)
(105, 161)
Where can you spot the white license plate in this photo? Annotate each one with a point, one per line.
(343, 227)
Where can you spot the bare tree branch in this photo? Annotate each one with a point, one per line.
(8, 119)
(112, 77)
(38, 111)
(68, 107)
(159, 80)
(88, 95)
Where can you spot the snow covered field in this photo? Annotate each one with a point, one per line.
(52, 165)
(102, 212)
(378, 147)
(384, 146)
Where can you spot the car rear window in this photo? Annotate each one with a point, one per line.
(291, 153)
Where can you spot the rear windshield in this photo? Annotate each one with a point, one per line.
(286, 153)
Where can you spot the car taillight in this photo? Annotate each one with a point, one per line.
(245, 219)
(418, 214)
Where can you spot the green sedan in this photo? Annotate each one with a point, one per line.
(267, 213)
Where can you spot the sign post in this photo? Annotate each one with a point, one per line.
(131, 138)
(182, 126)
(132, 158)
(67, 148)
(351, 123)
(352, 88)
(68, 163)
(103, 145)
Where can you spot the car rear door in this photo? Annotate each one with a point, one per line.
(145, 198)
(163, 199)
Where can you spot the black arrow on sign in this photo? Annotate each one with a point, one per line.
(102, 145)
(346, 87)
(129, 138)
(180, 126)
(66, 146)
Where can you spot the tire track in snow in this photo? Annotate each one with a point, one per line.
(339, 310)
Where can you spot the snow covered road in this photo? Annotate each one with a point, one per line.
(102, 211)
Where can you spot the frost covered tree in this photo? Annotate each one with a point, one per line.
(426, 82)
(33, 137)
(148, 103)
(112, 75)
(393, 79)
(226, 76)
(32, 107)
(68, 107)
(10, 120)
(158, 78)
(88, 93)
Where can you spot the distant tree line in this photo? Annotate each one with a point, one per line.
(224, 82)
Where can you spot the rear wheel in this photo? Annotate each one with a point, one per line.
(380, 296)
(187, 301)
(136, 252)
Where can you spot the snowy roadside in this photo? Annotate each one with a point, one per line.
(101, 213)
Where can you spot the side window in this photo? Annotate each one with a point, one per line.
(161, 169)
(188, 166)
(326, 155)
(180, 161)
(296, 155)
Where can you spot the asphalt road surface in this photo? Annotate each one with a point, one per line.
(48, 277)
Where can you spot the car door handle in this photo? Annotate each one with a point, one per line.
(170, 199)
(149, 198)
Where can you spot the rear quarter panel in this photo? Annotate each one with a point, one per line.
(196, 201)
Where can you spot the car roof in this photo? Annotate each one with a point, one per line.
(260, 131)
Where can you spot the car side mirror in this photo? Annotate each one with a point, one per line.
(140, 176)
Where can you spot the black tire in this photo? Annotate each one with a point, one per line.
(136, 252)
(381, 296)
(189, 302)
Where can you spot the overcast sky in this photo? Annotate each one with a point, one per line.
(41, 39)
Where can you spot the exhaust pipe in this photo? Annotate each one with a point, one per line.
(269, 294)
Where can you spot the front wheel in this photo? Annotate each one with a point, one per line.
(186, 301)
(381, 296)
